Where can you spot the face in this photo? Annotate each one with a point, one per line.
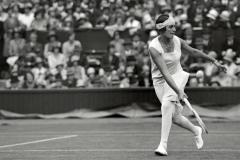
(170, 31)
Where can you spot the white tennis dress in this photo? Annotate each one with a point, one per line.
(172, 60)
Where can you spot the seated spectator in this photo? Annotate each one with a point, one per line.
(52, 82)
(79, 72)
(223, 79)
(13, 82)
(33, 46)
(71, 81)
(137, 43)
(118, 42)
(54, 22)
(40, 22)
(61, 73)
(114, 79)
(96, 80)
(144, 77)
(70, 45)
(67, 24)
(236, 80)
(117, 26)
(228, 57)
(132, 24)
(3, 15)
(27, 17)
(186, 29)
(55, 58)
(83, 22)
(17, 44)
(40, 73)
(29, 81)
(52, 41)
(111, 60)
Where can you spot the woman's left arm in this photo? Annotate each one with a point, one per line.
(197, 53)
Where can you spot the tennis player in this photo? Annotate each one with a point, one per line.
(169, 79)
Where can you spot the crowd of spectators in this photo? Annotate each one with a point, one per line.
(212, 26)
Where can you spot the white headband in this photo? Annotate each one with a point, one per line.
(170, 21)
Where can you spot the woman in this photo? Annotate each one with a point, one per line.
(169, 79)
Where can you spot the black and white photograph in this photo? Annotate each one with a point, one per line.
(119, 79)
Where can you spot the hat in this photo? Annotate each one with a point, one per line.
(153, 33)
(228, 55)
(212, 54)
(183, 17)
(75, 58)
(212, 14)
(225, 15)
(166, 8)
(179, 7)
(39, 60)
(90, 70)
(12, 60)
(237, 61)
(81, 16)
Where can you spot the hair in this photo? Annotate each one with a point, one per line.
(162, 18)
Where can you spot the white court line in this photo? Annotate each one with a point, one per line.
(121, 150)
(37, 141)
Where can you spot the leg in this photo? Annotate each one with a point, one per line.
(168, 109)
(182, 121)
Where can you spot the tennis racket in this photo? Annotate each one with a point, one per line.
(199, 120)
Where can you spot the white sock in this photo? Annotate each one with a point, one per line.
(167, 113)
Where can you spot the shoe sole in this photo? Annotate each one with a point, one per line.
(160, 154)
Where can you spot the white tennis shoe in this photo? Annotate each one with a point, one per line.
(198, 138)
(161, 151)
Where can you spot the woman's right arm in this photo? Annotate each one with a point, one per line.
(158, 60)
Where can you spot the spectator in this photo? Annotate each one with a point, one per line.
(40, 73)
(29, 81)
(17, 44)
(70, 45)
(52, 82)
(144, 77)
(114, 79)
(83, 22)
(112, 59)
(132, 24)
(223, 79)
(118, 42)
(33, 46)
(71, 81)
(27, 17)
(61, 73)
(236, 80)
(79, 72)
(51, 43)
(228, 57)
(40, 22)
(137, 43)
(3, 15)
(54, 22)
(55, 58)
(14, 82)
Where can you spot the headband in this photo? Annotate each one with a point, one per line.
(170, 21)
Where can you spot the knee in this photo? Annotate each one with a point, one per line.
(168, 107)
(176, 118)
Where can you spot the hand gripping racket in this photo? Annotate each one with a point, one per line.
(199, 120)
